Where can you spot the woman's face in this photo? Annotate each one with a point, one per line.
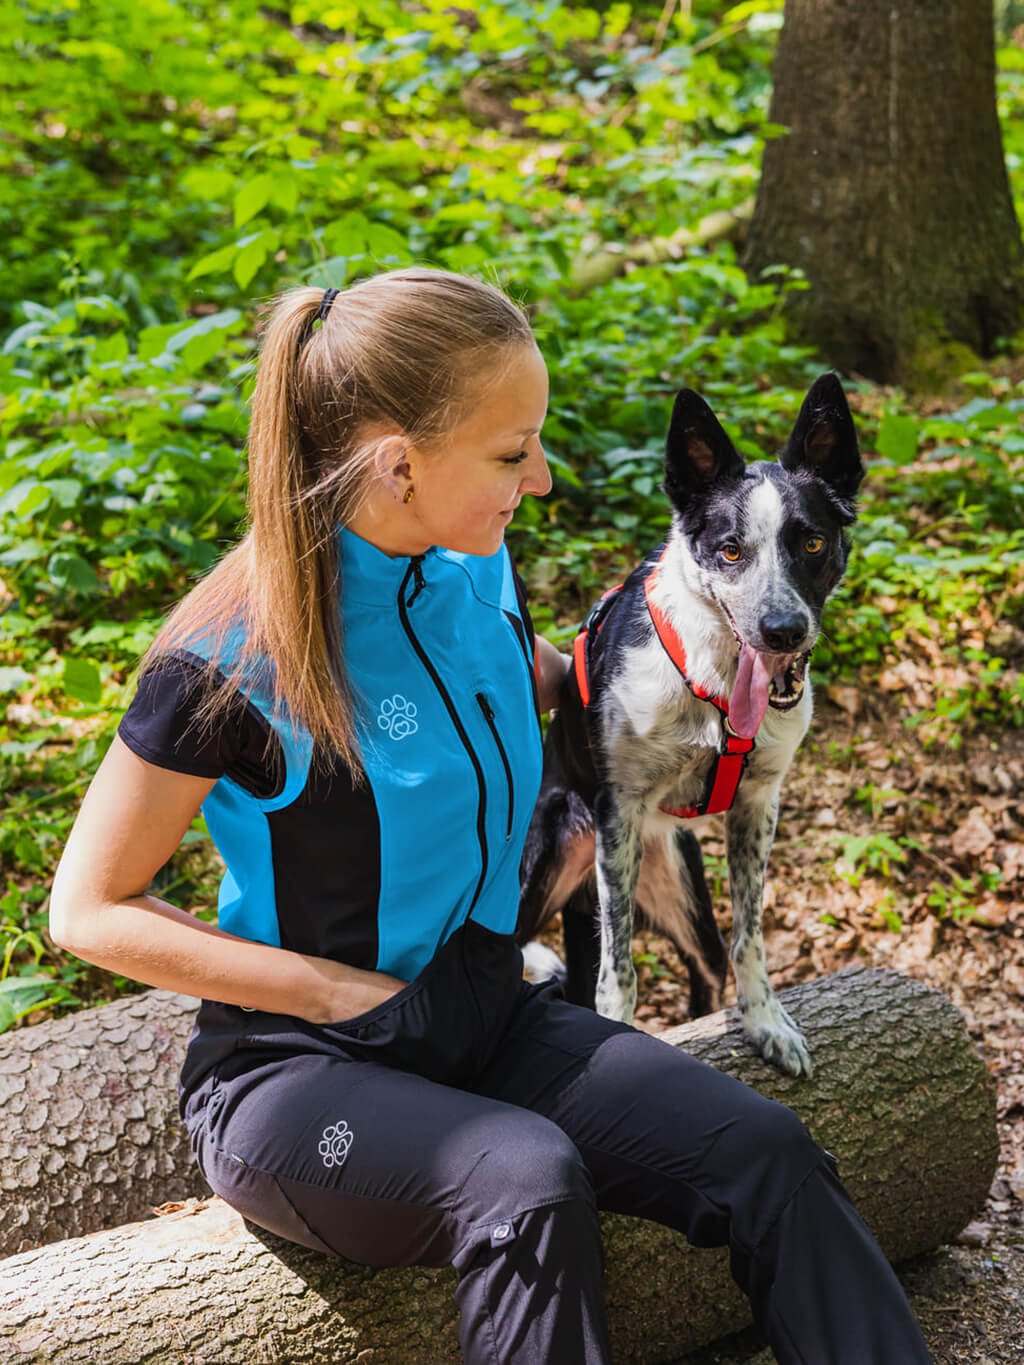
(466, 492)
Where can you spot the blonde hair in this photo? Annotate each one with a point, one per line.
(402, 350)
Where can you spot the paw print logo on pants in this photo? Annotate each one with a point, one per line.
(334, 1144)
(398, 716)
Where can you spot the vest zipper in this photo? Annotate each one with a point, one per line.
(416, 571)
(485, 707)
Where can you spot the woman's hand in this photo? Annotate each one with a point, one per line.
(349, 991)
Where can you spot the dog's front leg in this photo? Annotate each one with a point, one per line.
(617, 826)
(749, 831)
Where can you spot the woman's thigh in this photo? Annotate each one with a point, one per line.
(664, 1135)
(375, 1164)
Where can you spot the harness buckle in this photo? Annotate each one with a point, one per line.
(731, 742)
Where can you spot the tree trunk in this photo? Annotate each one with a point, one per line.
(899, 1094)
(89, 1129)
(890, 190)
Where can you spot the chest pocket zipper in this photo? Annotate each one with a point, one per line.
(488, 711)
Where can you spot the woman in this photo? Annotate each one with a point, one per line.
(351, 695)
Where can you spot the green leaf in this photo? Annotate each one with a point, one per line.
(382, 241)
(110, 349)
(347, 237)
(213, 322)
(248, 262)
(897, 437)
(153, 340)
(285, 193)
(82, 680)
(202, 349)
(252, 198)
(208, 183)
(214, 263)
(23, 333)
(37, 497)
(71, 571)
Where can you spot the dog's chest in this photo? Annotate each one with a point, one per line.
(672, 757)
(671, 762)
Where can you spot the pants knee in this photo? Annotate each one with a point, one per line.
(779, 1156)
(780, 1134)
(534, 1165)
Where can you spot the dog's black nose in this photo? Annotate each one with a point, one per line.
(782, 633)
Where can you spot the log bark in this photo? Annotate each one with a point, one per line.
(899, 1094)
(89, 1129)
(889, 189)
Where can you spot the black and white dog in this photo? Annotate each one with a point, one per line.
(688, 697)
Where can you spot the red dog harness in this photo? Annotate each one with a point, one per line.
(724, 778)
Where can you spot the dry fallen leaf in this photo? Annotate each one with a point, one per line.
(1010, 858)
(973, 836)
(848, 699)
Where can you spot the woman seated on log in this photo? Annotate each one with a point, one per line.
(350, 697)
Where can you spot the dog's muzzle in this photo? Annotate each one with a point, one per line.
(789, 672)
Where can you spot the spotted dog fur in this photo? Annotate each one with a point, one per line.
(599, 846)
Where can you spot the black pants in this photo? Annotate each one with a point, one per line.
(478, 1121)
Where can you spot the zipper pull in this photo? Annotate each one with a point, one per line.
(420, 581)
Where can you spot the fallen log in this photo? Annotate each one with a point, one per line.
(899, 1094)
(591, 269)
(89, 1129)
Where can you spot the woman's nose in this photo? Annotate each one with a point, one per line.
(537, 477)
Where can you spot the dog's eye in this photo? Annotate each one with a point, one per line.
(731, 553)
(814, 545)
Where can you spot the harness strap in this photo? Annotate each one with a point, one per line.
(727, 769)
(594, 622)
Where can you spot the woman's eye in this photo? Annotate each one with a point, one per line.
(814, 545)
(515, 459)
(731, 553)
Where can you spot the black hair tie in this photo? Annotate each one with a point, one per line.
(325, 303)
(312, 322)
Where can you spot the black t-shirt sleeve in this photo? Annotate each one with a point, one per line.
(160, 726)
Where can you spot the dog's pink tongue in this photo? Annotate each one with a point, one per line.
(749, 700)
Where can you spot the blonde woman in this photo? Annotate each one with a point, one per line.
(351, 696)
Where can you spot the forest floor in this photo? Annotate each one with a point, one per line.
(862, 774)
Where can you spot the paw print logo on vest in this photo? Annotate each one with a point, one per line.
(398, 717)
(334, 1144)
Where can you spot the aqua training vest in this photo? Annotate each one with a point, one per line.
(438, 650)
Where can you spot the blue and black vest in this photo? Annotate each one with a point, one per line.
(438, 651)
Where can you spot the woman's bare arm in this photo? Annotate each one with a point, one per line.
(133, 817)
(551, 669)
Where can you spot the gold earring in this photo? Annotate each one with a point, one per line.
(408, 494)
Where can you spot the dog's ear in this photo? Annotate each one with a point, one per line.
(697, 452)
(824, 440)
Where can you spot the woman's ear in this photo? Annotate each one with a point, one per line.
(391, 465)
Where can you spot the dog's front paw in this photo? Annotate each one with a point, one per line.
(777, 1038)
(615, 997)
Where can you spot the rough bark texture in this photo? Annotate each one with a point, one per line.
(89, 1129)
(899, 1094)
(890, 189)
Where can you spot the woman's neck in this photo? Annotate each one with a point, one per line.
(388, 526)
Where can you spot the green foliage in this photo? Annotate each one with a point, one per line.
(167, 168)
(957, 899)
(874, 852)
